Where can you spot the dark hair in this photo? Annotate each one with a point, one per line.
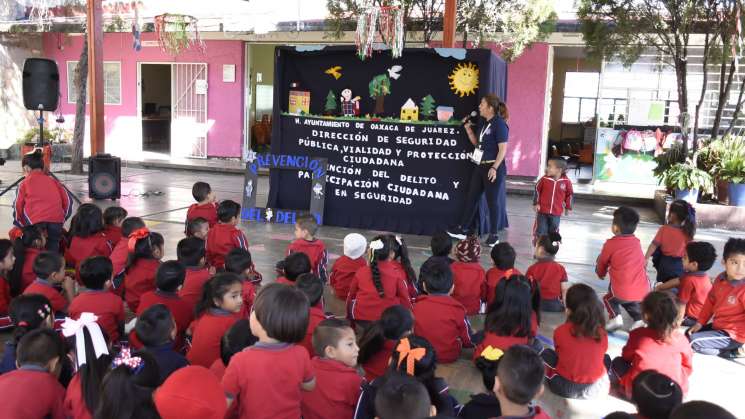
(28, 312)
(144, 248)
(88, 221)
(215, 289)
(500, 108)
(438, 278)
(238, 261)
(127, 393)
(703, 253)
(39, 347)
(95, 271)
(380, 255)
(312, 286)
(6, 247)
(92, 372)
(283, 312)
(195, 224)
(308, 223)
(655, 395)
(34, 160)
(686, 215)
(170, 276)
(402, 397)
(620, 415)
(560, 163)
(394, 323)
(200, 190)
(698, 409)
(47, 263)
(510, 313)
(155, 325)
(236, 339)
(113, 214)
(520, 374)
(441, 243)
(424, 370)
(586, 312)
(503, 255)
(227, 210)
(488, 372)
(550, 242)
(328, 333)
(401, 252)
(296, 264)
(626, 219)
(29, 235)
(190, 251)
(662, 313)
(130, 224)
(732, 247)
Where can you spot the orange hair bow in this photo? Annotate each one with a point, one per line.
(411, 355)
(138, 234)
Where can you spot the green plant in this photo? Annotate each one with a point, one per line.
(667, 159)
(731, 166)
(55, 135)
(686, 176)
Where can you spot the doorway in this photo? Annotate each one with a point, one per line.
(155, 91)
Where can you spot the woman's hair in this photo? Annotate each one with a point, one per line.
(395, 322)
(550, 242)
(662, 314)
(586, 311)
(144, 248)
(6, 246)
(510, 313)
(500, 108)
(215, 289)
(379, 255)
(88, 221)
(126, 391)
(686, 215)
(236, 339)
(488, 370)
(28, 312)
(29, 235)
(282, 311)
(401, 252)
(34, 160)
(92, 372)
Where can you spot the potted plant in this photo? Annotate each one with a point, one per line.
(687, 181)
(732, 170)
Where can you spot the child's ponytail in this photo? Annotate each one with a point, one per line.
(29, 312)
(402, 254)
(550, 242)
(127, 389)
(686, 215)
(395, 322)
(380, 249)
(92, 356)
(215, 289)
(142, 245)
(487, 363)
(585, 311)
(31, 236)
(510, 313)
(661, 313)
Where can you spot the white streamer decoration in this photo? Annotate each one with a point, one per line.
(376, 244)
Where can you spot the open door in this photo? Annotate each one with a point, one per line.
(189, 118)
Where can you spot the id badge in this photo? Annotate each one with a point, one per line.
(477, 155)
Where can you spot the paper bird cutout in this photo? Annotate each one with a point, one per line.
(249, 188)
(393, 72)
(334, 71)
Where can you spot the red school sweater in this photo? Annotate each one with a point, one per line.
(671, 240)
(316, 316)
(316, 252)
(342, 274)
(337, 389)
(693, 290)
(493, 276)
(580, 358)
(364, 302)
(469, 280)
(207, 331)
(182, 311)
(645, 351)
(139, 279)
(549, 275)
(191, 291)
(553, 195)
(81, 248)
(75, 406)
(221, 239)
(41, 199)
(45, 288)
(108, 307)
(5, 296)
(206, 211)
(32, 392)
(248, 295)
(505, 342)
(622, 258)
(28, 276)
(726, 303)
(113, 234)
(441, 320)
(377, 365)
(119, 256)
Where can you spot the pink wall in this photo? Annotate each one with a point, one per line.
(123, 133)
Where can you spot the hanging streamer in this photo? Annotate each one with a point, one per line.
(388, 20)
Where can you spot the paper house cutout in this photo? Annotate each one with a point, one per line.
(409, 112)
(444, 113)
(299, 102)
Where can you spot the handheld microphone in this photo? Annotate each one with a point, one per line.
(474, 117)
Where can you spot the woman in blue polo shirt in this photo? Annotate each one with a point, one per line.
(491, 172)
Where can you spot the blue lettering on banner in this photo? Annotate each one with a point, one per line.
(277, 216)
(284, 161)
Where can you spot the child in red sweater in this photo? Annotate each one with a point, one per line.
(239, 262)
(120, 254)
(469, 277)
(694, 285)
(294, 265)
(726, 304)
(95, 273)
(236, 339)
(268, 378)
(206, 206)
(7, 260)
(191, 254)
(146, 251)
(440, 318)
(347, 265)
(49, 268)
(577, 368)
(503, 255)
(199, 228)
(658, 346)
(216, 311)
(668, 247)
(25, 249)
(337, 381)
(379, 286)
(312, 287)
(168, 280)
(88, 238)
(305, 241)
(225, 236)
(549, 275)
(113, 217)
(622, 259)
(552, 199)
(519, 380)
(379, 340)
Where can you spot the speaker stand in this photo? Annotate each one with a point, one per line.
(40, 144)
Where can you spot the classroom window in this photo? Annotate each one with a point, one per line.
(580, 97)
(112, 76)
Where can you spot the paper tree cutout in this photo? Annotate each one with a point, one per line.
(330, 107)
(409, 112)
(379, 87)
(464, 80)
(427, 107)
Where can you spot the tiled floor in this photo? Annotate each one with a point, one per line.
(162, 196)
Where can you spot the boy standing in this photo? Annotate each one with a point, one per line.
(305, 241)
(519, 380)
(206, 206)
(95, 273)
(50, 273)
(225, 236)
(552, 198)
(622, 258)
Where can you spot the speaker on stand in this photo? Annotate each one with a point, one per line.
(105, 177)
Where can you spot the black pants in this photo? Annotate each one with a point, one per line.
(479, 184)
(54, 235)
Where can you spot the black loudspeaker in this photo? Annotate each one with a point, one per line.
(104, 177)
(40, 84)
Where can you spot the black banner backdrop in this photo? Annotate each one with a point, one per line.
(382, 174)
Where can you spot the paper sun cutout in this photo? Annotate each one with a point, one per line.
(464, 79)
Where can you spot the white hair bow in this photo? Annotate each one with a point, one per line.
(398, 239)
(75, 328)
(376, 244)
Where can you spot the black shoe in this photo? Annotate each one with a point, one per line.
(457, 232)
(492, 240)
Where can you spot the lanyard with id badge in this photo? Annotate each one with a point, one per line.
(478, 153)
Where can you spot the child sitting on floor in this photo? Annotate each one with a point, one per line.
(239, 262)
(7, 260)
(347, 265)
(225, 236)
(50, 274)
(236, 339)
(700, 409)
(503, 256)
(305, 241)
(113, 217)
(379, 340)
(401, 257)
(206, 206)
(469, 277)
(312, 287)
(519, 380)
(95, 273)
(156, 329)
(27, 312)
(484, 405)
(120, 254)
(294, 265)
(191, 254)
(142, 265)
(668, 246)
(129, 387)
(401, 396)
(548, 274)
(88, 237)
(25, 249)
(168, 281)
(190, 393)
(199, 228)
(655, 395)
(442, 247)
